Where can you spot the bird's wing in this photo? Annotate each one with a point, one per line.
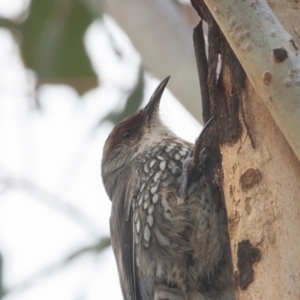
(122, 243)
(121, 228)
(135, 286)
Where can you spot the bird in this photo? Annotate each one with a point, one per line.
(169, 236)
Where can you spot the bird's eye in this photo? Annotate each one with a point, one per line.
(126, 134)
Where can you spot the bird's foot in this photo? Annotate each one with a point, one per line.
(194, 162)
(190, 168)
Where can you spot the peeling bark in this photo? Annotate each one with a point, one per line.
(261, 171)
(262, 44)
(247, 255)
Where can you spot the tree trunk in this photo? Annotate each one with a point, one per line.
(260, 168)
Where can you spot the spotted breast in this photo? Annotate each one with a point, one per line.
(168, 234)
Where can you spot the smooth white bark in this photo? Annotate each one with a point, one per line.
(253, 31)
(266, 212)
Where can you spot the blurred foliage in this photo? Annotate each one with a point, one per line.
(51, 40)
(133, 101)
(95, 248)
(50, 35)
(63, 206)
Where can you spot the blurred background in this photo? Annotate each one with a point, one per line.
(69, 71)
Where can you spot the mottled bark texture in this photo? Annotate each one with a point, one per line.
(259, 172)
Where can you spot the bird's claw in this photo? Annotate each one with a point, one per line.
(195, 161)
(189, 168)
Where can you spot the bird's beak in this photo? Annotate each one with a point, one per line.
(152, 107)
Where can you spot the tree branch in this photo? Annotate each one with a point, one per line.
(52, 200)
(160, 34)
(95, 248)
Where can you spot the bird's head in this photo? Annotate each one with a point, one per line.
(132, 136)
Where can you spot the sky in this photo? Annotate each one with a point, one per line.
(50, 159)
